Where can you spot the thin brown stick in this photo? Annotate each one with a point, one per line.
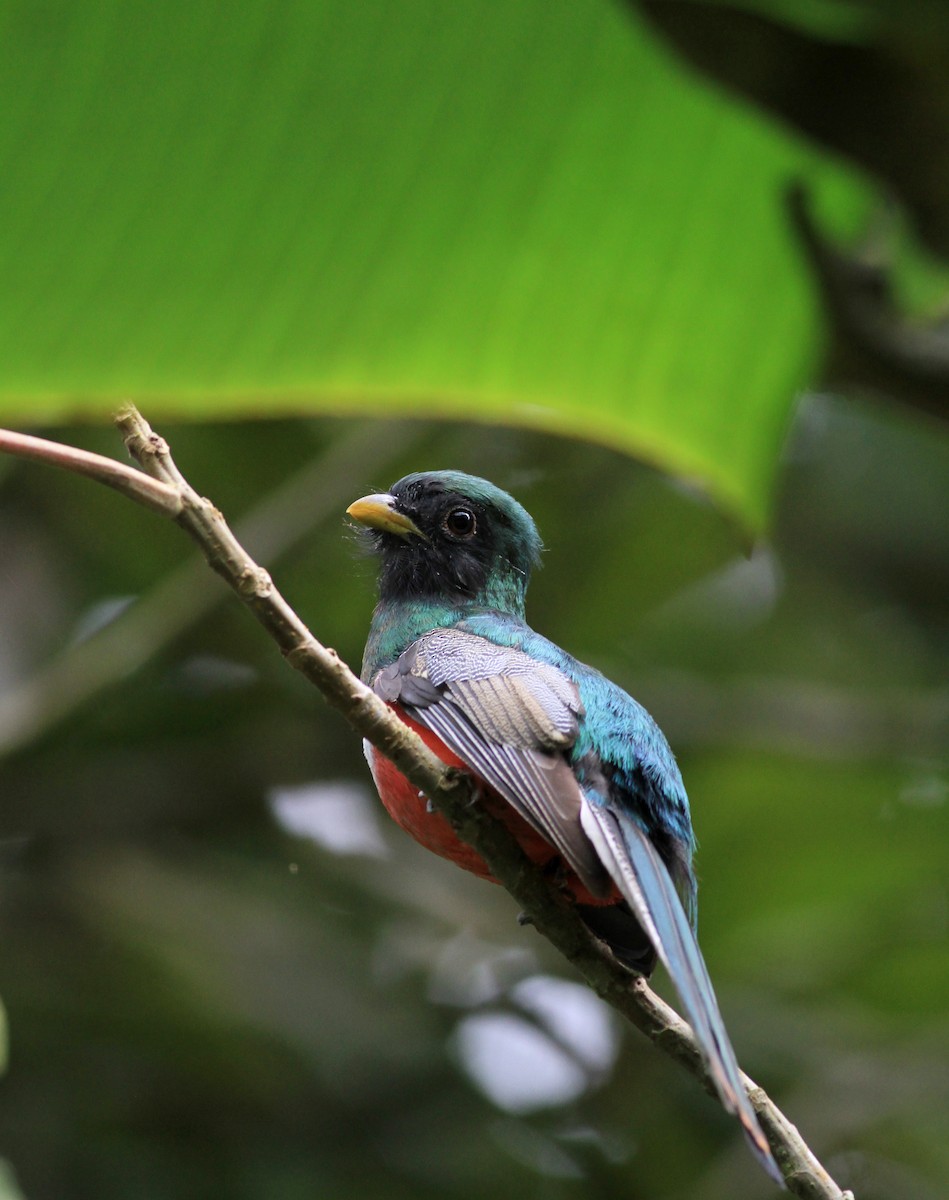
(135, 484)
(88, 666)
(450, 791)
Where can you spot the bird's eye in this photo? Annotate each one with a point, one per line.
(460, 522)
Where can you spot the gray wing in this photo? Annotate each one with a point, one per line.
(511, 719)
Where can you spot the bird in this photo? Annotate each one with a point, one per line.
(576, 768)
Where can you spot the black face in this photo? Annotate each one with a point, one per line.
(464, 542)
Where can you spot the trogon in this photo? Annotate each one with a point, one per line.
(575, 767)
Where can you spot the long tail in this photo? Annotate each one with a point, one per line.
(642, 877)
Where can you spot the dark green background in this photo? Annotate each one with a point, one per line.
(557, 217)
(192, 1016)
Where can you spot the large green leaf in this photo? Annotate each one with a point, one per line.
(520, 212)
(878, 94)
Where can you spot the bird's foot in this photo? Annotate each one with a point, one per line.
(558, 873)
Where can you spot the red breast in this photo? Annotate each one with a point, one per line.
(410, 808)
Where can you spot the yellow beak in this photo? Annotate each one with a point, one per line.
(379, 512)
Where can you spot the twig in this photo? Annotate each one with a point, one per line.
(189, 592)
(136, 485)
(450, 791)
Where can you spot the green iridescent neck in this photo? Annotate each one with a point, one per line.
(398, 623)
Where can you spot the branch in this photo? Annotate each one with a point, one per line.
(874, 344)
(137, 486)
(88, 666)
(450, 791)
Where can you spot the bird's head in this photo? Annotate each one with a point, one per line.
(443, 535)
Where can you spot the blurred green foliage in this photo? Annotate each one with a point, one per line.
(529, 213)
(202, 1003)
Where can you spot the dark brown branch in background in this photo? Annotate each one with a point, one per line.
(874, 100)
(874, 345)
(160, 486)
